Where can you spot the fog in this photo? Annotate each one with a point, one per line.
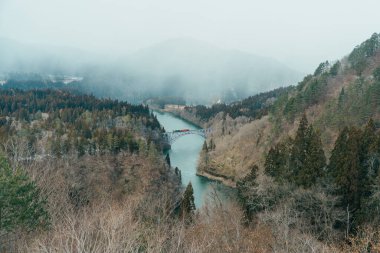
(219, 43)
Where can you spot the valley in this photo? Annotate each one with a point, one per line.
(183, 127)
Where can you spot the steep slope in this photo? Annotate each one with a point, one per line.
(342, 94)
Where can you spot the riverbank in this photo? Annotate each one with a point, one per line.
(218, 178)
(181, 113)
(185, 153)
(190, 119)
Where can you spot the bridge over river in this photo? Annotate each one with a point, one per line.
(171, 137)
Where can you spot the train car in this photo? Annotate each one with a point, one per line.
(181, 131)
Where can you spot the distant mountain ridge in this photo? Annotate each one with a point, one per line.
(197, 71)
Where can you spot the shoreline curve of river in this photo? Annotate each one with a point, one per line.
(184, 154)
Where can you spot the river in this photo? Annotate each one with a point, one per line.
(184, 154)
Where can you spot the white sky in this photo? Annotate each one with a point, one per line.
(300, 33)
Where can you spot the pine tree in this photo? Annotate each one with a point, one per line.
(335, 68)
(187, 206)
(178, 173)
(277, 161)
(167, 159)
(271, 162)
(299, 149)
(345, 168)
(21, 204)
(341, 98)
(247, 193)
(205, 148)
(307, 159)
(376, 74)
(369, 137)
(315, 160)
(212, 145)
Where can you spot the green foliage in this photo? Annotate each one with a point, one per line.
(341, 98)
(322, 68)
(335, 68)
(21, 203)
(307, 159)
(277, 161)
(187, 206)
(167, 159)
(247, 193)
(301, 161)
(376, 74)
(358, 57)
(178, 173)
(78, 124)
(353, 167)
(309, 92)
(204, 147)
(253, 107)
(212, 145)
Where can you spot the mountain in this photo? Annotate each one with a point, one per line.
(203, 73)
(308, 155)
(197, 71)
(338, 94)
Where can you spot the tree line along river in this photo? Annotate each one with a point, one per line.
(184, 154)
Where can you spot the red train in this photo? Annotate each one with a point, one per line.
(182, 130)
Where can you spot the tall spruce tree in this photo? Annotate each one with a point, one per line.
(247, 193)
(187, 206)
(345, 169)
(277, 161)
(21, 204)
(167, 159)
(205, 148)
(307, 159)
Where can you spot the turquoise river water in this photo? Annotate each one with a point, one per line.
(184, 154)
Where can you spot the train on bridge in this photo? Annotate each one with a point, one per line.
(175, 134)
(181, 131)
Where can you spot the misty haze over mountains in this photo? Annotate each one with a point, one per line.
(192, 69)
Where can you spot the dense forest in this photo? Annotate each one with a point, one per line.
(310, 165)
(253, 107)
(333, 199)
(63, 122)
(83, 174)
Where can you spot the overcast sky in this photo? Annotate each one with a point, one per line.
(300, 33)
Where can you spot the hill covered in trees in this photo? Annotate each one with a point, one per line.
(338, 94)
(253, 107)
(312, 159)
(83, 174)
(58, 122)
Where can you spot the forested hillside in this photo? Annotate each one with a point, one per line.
(57, 123)
(71, 160)
(310, 163)
(339, 94)
(82, 174)
(253, 107)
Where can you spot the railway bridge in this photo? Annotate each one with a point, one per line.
(171, 137)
